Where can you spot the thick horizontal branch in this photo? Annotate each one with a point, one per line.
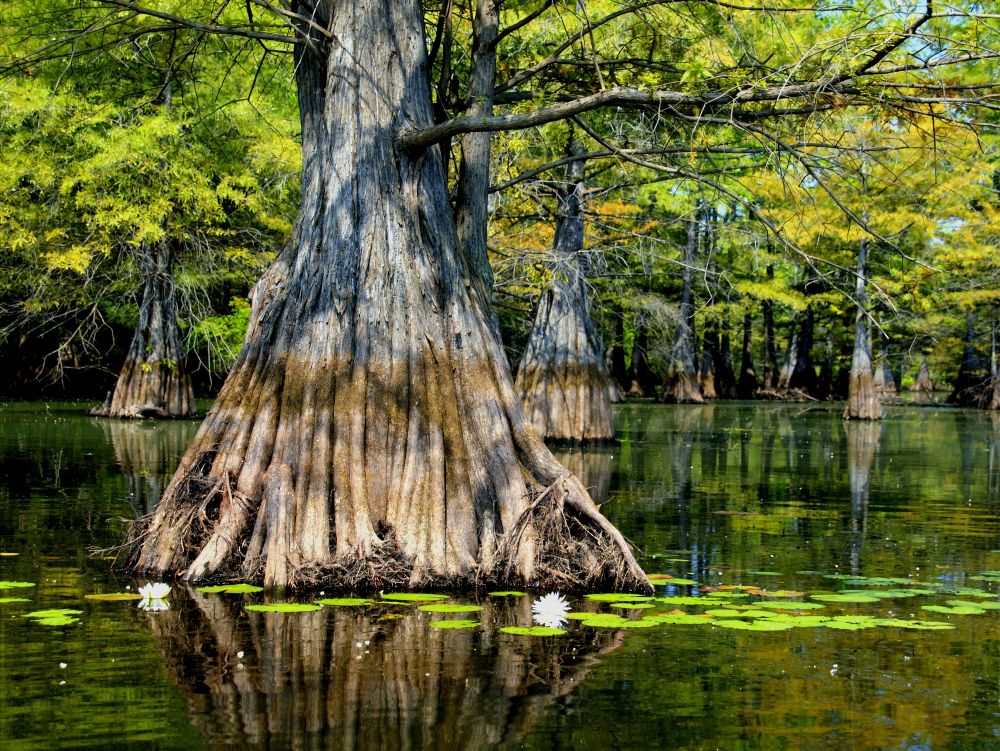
(617, 97)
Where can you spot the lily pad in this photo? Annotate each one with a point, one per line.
(631, 605)
(58, 620)
(448, 608)
(758, 625)
(994, 605)
(799, 621)
(413, 597)
(114, 596)
(683, 600)
(581, 616)
(54, 616)
(454, 623)
(788, 605)
(391, 616)
(533, 631)
(677, 618)
(956, 610)
(14, 599)
(968, 592)
(662, 579)
(52, 613)
(231, 589)
(926, 625)
(284, 607)
(612, 597)
(853, 598)
(15, 585)
(763, 573)
(8, 555)
(507, 594)
(785, 593)
(345, 602)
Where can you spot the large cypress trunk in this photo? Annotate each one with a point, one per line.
(923, 383)
(681, 385)
(994, 396)
(862, 396)
(369, 433)
(562, 379)
(153, 382)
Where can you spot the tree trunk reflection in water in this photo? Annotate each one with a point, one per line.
(340, 678)
(147, 454)
(593, 467)
(862, 443)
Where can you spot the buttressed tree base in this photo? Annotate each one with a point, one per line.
(369, 434)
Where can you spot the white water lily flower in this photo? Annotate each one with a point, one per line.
(150, 592)
(550, 610)
(154, 605)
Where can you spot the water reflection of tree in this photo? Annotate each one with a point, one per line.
(592, 466)
(147, 454)
(862, 443)
(342, 678)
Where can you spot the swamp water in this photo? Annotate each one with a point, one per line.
(821, 585)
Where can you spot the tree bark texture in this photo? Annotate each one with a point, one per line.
(471, 210)
(563, 380)
(923, 383)
(681, 384)
(862, 396)
(340, 679)
(369, 434)
(153, 381)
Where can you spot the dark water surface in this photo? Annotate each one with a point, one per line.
(778, 497)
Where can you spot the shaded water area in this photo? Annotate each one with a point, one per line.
(785, 502)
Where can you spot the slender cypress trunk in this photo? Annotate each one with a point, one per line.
(681, 383)
(369, 433)
(994, 398)
(747, 385)
(153, 381)
(471, 214)
(725, 379)
(563, 381)
(862, 397)
(706, 363)
(804, 372)
(641, 381)
(969, 385)
(923, 384)
(619, 370)
(770, 369)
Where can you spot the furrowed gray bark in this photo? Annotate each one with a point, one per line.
(153, 382)
(681, 384)
(563, 380)
(369, 434)
(862, 396)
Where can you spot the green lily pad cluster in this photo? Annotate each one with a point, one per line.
(54, 616)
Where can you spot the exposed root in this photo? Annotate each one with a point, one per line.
(568, 548)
